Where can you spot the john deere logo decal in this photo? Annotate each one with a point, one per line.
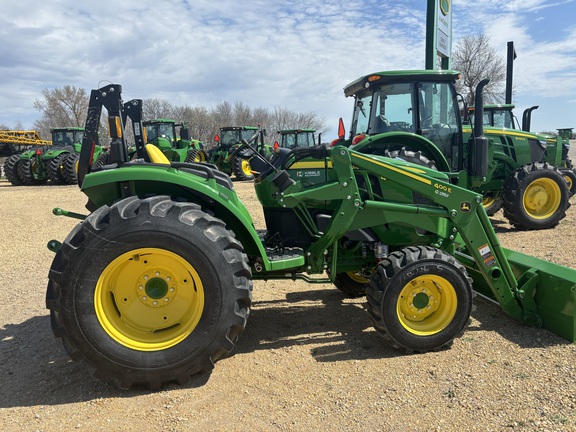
(465, 206)
(445, 6)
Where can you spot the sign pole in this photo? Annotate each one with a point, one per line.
(438, 34)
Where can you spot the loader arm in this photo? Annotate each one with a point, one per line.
(535, 291)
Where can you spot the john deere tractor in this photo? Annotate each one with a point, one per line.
(227, 141)
(414, 116)
(292, 138)
(155, 282)
(162, 133)
(56, 162)
(511, 139)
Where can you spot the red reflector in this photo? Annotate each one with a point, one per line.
(358, 138)
(336, 142)
(38, 151)
(276, 145)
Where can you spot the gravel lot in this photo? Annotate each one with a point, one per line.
(308, 360)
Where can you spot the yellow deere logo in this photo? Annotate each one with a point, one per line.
(444, 6)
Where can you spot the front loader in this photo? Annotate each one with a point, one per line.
(155, 283)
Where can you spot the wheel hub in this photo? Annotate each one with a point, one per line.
(156, 288)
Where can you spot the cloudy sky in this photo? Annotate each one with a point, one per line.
(297, 54)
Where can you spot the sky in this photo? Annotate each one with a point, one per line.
(294, 54)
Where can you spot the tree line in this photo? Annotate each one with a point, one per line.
(67, 107)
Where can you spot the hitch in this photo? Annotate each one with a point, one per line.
(61, 212)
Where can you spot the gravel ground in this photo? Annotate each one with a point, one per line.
(308, 360)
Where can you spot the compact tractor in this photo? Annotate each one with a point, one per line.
(155, 283)
(415, 116)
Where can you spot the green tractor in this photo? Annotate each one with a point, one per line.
(162, 133)
(56, 162)
(293, 138)
(415, 116)
(155, 283)
(227, 141)
(511, 138)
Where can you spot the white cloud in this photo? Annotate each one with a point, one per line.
(298, 54)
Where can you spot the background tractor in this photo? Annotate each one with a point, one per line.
(227, 141)
(415, 116)
(292, 138)
(155, 283)
(55, 162)
(513, 142)
(177, 148)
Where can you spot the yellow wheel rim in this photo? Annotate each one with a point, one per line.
(149, 299)
(357, 277)
(568, 182)
(542, 198)
(246, 167)
(488, 201)
(200, 157)
(426, 305)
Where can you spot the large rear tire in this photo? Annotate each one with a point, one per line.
(166, 295)
(536, 197)
(31, 173)
(11, 170)
(420, 299)
(71, 169)
(55, 169)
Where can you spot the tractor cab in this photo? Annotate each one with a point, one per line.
(293, 138)
(233, 135)
(417, 110)
(498, 115)
(62, 137)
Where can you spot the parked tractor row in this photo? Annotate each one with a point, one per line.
(55, 162)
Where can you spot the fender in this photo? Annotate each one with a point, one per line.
(376, 144)
(195, 183)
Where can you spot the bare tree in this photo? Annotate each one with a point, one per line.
(156, 108)
(61, 107)
(476, 59)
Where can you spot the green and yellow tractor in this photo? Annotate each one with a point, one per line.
(515, 145)
(177, 148)
(227, 141)
(155, 283)
(56, 162)
(415, 116)
(293, 138)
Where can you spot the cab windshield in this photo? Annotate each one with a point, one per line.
(297, 139)
(66, 137)
(428, 109)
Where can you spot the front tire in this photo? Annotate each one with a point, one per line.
(420, 299)
(167, 294)
(536, 197)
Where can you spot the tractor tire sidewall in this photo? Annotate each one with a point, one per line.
(220, 264)
(55, 169)
(11, 170)
(349, 286)
(237, 169)
(70, 173)
(390, 278)
(26, 173)
(515, 188)
(572, 176)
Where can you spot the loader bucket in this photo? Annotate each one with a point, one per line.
(546, 292)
